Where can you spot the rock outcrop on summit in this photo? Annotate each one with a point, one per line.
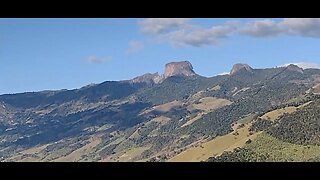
(182, 68)
(240, 66)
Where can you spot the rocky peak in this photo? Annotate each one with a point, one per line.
(293, 67)
(182, 68)
(146, 78)
(238, 67)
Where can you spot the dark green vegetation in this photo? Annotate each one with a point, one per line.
(294, 137)
(119, 116)
(270, 149)
(178, 88)
(260, 125)
(301, 127)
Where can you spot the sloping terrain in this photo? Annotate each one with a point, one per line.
(293, 137)
(178, 116)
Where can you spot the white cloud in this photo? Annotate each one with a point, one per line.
(134, 46)
(161, 25)
(304, 65)
(179, 32)
(261, 28)
(306, 27)
(200, 36)
(98, 60)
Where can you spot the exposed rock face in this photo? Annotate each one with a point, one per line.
(182, 68)
(239, 66)
(296, 68)
(146, 78)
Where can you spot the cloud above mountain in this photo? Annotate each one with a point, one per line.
(180, 32)
(161, 25)
(261, 28)
(305, 27)
(200, 36)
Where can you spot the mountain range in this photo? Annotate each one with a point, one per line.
(270, 114)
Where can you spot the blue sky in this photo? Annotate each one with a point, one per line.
(42, 54)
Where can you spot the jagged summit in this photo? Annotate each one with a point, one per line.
(148, 78)
(182, 68)
(237, 67)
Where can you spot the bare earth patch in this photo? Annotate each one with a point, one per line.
(163, 107)
(210, 103)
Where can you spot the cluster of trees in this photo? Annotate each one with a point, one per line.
(107, 91)
(260, 125)
(300, 127)
(56, 126)
(219, 122)
(240, 155)
(177, 88)
(107, 150)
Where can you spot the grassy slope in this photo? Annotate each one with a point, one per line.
(274, 115)
(278, 150)
(35, 151)
(206, 104)
(77, 154)
(215, 147)
(211, 103)
(131, 153)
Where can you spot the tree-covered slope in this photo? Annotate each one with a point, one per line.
(154, 121)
